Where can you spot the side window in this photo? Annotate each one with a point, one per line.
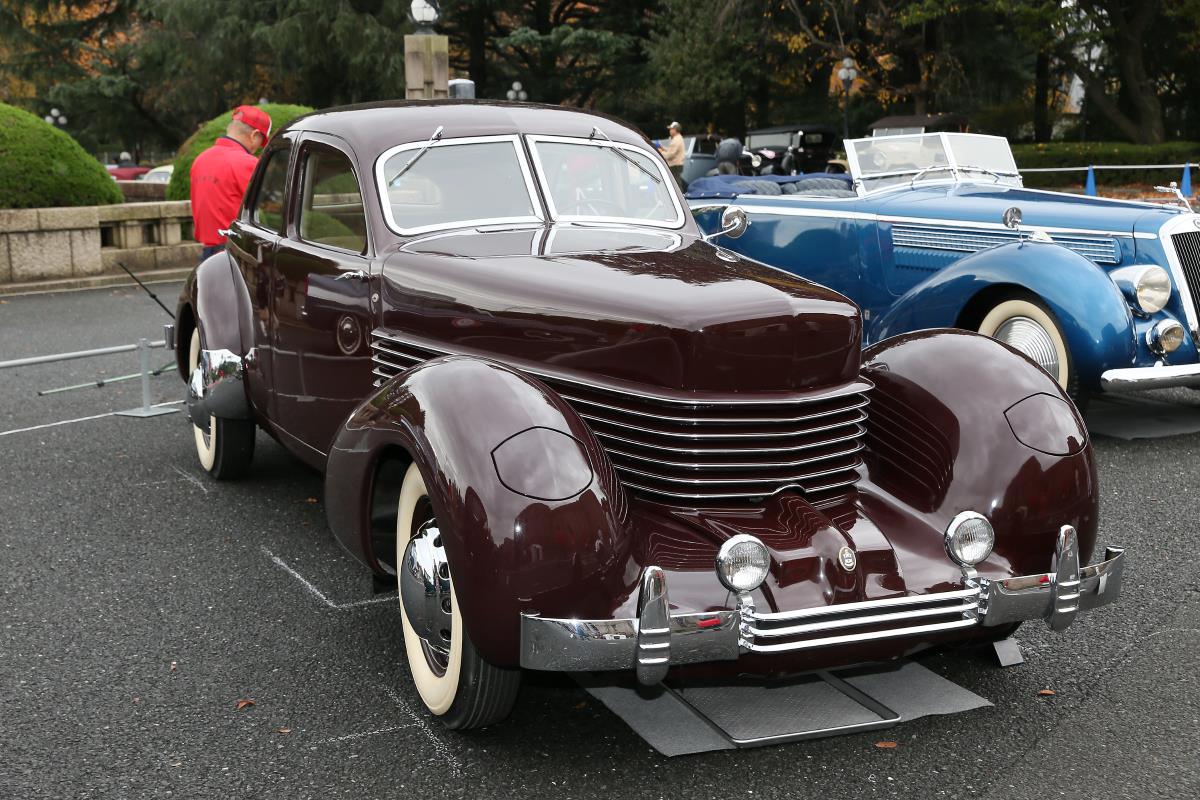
(267, 210)
(331, 212)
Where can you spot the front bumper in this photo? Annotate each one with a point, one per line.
(1160, 377)
(656, 639)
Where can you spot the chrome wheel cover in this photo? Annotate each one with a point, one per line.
(1029, 337)
(426, 594)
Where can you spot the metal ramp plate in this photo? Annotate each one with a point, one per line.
(679, 718)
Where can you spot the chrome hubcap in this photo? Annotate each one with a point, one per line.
(425, 592)
(1030, 338)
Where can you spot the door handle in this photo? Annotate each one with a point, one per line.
(358, 275)
(224, 232)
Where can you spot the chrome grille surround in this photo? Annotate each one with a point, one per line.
(748, 447)
(1098, 248)
(1186, 245)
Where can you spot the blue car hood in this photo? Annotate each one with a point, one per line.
(983, 203)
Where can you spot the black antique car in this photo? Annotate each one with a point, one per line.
(579, 436)
(795, 149)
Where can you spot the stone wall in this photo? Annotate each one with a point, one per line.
(54, 243)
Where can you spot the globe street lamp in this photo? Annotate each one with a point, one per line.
(846, 75)
(55, 117)
(516, 92)
(425, 13)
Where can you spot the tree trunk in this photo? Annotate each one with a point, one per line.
(1042, 127)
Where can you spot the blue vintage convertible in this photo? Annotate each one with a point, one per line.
(936, 230)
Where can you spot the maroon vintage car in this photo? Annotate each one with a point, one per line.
(585, 438)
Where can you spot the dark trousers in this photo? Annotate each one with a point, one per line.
(211, 250)
(678, 173)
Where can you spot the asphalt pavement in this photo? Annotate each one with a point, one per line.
(140, 602)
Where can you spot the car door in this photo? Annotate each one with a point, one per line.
(322, 307)
(252, 239)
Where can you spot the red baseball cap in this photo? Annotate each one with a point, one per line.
(255, 117)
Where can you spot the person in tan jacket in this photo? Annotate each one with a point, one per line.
(674, 152)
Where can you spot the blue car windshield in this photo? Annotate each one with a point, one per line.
(886, 161)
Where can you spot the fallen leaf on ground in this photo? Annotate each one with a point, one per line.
(1046, 693)
(174, 667)
(243, 703)
(283, 730)
(885, 745)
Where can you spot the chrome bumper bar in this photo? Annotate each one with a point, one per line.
(216, 389)
(1161, 377)
(656, 639)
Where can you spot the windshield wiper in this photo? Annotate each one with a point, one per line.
(930, 168)
(437, 134)
(996, 175)
(597, 132)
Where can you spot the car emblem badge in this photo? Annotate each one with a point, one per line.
(847, 559)
(1196, 221)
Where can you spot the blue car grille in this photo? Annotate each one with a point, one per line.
(702, 451)
(1187, 248)
(1100, 249)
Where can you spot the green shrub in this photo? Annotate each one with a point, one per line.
(42, 166)
(181, 183)
(1083, 154)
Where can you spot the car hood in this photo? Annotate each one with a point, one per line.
(630, 306)
(986, 203)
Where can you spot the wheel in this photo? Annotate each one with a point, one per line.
(226, 450)
(1023, 323)
(454, 682)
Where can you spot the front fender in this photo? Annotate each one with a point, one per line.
(942, 437)
(509, 551)
(1094, 315)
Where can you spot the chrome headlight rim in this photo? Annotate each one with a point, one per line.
(951, 540)
(1152, 289)
(1165, 337)
(726, 555)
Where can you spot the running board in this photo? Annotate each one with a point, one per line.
(684, 717)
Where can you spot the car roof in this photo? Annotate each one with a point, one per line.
(374, 127)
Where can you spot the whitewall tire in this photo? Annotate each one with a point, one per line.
(226, 450)
(1030, 329)
(453, 681)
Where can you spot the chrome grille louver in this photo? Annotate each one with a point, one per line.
(1098, 248)
(708, 450)
(1187, 250)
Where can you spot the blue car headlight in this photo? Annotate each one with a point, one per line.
(1147, 286)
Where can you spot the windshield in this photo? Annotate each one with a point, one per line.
(481, 181)
(782, 140)
(885, 161)
(593, 180)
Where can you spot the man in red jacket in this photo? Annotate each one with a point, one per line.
(221, 173)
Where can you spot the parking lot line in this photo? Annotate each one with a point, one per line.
(317, 593)
(78, 419)
(438, 745)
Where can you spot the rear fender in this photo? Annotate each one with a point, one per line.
(527, 520)
(942, 438)
(1094, 315)
(214, 298)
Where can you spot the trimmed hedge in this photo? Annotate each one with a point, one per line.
(42, 166)
(1082, 154)
(181, 181)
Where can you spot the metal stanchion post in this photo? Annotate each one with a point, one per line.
(147, 410)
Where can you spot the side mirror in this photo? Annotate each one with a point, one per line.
(1012, 218)
(734, 223)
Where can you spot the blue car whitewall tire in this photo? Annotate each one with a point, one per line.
(1030, 329)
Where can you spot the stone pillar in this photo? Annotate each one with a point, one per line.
(426, 67)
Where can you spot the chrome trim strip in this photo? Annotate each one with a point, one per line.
(858, 432)
(1130, 379)
(868, 605)
(740, 481)
(725, 465)
(774, 490)
(854, 638)
(857, 622)
(719, 420)
(721, 435)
